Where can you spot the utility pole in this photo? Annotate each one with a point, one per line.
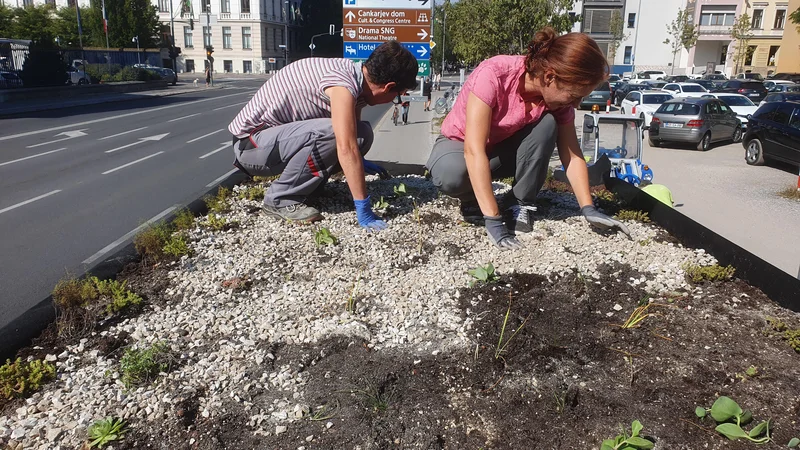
(172, 25)
(636, 37)
(444, 25)
(285, 34)
(138, 53)
(210, 47)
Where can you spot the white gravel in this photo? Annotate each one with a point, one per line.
(404, 300)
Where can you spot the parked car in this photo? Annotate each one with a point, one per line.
(599, 96)
(622, 90)
(708, 84)
(750, 76)
(774, 133)
(772, 85)
(678, 78)
(740, 104)
(615, 81)
(698, 121)
(9, 80)
(780, 97)
(644, 103)
(655, 74)
(795, 77)
(655, 84)
(77, 77)
(685, 89)
(166, 74)
(718, 77)
(754, 90)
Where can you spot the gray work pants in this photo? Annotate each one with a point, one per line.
(303, 154)
(525, 156)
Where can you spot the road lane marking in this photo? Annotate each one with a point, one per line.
(218, 180)
(128, 235)
(157, 137)
(32, 156)
(229, 106)
(69, 135)
(119, 116)
(184, 117)
(205, 136)
(224, 146)
(29, 201)
(131, 163)
(120, 134)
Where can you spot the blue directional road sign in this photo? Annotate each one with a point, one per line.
(420, 51)
(359, 50)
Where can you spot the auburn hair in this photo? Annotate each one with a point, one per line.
(574, 57)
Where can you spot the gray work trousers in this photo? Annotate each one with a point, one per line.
(303, 154)
(525, 156)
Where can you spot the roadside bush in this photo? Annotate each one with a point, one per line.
(43, 66)
(119, 296)
(184, 220)
(219, 204)
(71, 292)
(142, 366)
(18, 378)
(699, 274)
(255, 193)
(129, 73)
(177, 246)
(150, 243)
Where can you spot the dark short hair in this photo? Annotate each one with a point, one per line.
(391, 62)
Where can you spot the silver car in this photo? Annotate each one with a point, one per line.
(698, 121)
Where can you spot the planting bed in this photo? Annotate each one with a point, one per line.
(266, 355)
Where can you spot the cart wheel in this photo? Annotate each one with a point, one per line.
(754, 153)
(705, 142)
(631, 178)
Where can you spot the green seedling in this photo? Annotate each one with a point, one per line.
(120, 297)
(699, 274)
(381, 205)
(105, 431)
(184, 220)
(794, 443)
(637, 316)
(150, 243)
(255, 193)
(323, 237)
(400, 190)
(730, 418)
(177, 246)
(216, 223)
(324, 412)
(20, 378)
(632, 214)
(502, 346)
(219, 203)
(142, 366)
(792, 336)
(750, 372)
(485, 274)
(351, 301)
(624, 441)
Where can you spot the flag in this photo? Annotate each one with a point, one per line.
(105, 21)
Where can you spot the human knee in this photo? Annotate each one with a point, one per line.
(450, 180)
(365, 136)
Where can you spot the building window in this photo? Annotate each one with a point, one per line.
(748, 58)
(206, 6)
(247, 66)
(780, 19)
(163, 5)
(274, 39)
(628, 52)
(758, 18)
(50, 2)
(187, 37)
(246, 6)
(27, 3)
(226, 37)
(723, 57)
(597, 20)
(207, 36)
(71, 3)
(227, 66)
(714, 15)
(631, 20)
(246, 38)
(190, 65)
(772, 58)
(225, 6)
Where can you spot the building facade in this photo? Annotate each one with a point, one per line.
(769, 19)
(789, 60)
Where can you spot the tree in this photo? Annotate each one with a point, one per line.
(444, 42)
(684, 34)
(43, 66)
(6, 20)
(483, 28)
(795, 18)
(617, 28)
(34, 23)
(65, 26)
(742, 33)
(126, 19)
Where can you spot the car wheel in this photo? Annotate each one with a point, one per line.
(654, 143)
(754, 153)
(705, 142)
(82, 81)
(737, 135)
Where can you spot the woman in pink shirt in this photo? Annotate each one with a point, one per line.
(510, 115)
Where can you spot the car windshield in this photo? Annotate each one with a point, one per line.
(603, 86)
(693, 88)
(656, 99)
(614, 78)
(735, 100)
(754, 86)
(792, 88)
(753, 76)
(679, 109)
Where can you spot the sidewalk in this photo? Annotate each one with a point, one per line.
(405, 145)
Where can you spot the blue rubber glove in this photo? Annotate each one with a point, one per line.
(366, 218)
(375, 169)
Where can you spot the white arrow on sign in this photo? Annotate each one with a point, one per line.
(422, 35)
(312, 46)
(69, 135)
(157, 137)
(350, 16)
(422, 52)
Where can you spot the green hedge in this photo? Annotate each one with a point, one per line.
(127, 74)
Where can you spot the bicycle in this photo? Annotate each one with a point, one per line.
(396, 113)
(445, 103)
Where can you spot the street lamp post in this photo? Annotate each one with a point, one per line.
(285, 34)
(138, 53)
(636, 37)
(172, 26)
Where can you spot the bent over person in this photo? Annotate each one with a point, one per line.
(304, 124)
(510, 115)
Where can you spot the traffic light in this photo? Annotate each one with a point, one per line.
(209, 51)
(174, 52)
(191, 23)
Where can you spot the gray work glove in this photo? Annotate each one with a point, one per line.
(602, 221)
(499, 235)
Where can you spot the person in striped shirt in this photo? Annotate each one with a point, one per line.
(304, 124)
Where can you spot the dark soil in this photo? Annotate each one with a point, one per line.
(566, 380)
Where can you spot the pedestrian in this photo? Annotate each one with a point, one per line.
(437, 81)
(405, 106)
(427, 86)
(304, 124)
(208, 76)
(510, 115)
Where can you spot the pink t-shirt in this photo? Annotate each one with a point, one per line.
(496, 82)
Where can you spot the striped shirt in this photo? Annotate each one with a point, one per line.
(297, 92)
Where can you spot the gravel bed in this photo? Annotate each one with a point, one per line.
(405, 299)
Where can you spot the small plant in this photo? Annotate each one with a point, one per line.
(71, 292)
(177, 246)
(219, 203)
(699, 274)
(624, 441)
(507, 180)
(20, 378)
(484, 274)
(216, 223)
(790, 192)
(324, 412)
(637, 316)
(400, 190)
(150, 243)
(794, 443)
(750, 372)
(502, 346)
(255, 193)
(323, 237)
(142, 366)
(120, 298)
(351, 301)
(605, 195)
(381, 205)
(105, 431)
(792, 336)
(730, 418)
(633, 214)
(259, 179)
(184, 220)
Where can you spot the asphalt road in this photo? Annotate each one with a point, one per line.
(74, 182)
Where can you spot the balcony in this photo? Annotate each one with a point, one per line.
(768, 33)
(244, 16)
(714, 30)
(224, 16)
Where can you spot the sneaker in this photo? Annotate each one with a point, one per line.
(519, 218)
(298, 212)
(471, 212)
